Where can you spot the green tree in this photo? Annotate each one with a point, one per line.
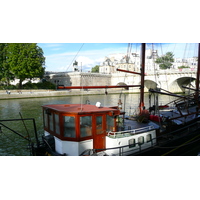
(165, 61)
(183, 66)
(5, 74)
(26, 60)
(95, 69)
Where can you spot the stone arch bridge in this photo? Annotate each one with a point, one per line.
(171, 80)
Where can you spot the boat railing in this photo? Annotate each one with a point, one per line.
(138, 148)
(131, 131)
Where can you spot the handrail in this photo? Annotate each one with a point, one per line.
(132, 131)
(25, 119)
(120, 148)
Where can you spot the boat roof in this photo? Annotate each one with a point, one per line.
(81, 108)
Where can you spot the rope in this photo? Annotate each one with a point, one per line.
(174, 48)
(75, 56)
(81, 93)
(184, 144)
(184, 54)
(154, 65)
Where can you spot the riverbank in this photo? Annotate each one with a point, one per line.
(24, 94)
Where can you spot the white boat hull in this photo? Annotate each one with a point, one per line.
(118, 145)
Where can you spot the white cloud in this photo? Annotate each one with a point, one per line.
(87, 63)
(89, 58)
(53, 44)
(55, 49)
(84, 60)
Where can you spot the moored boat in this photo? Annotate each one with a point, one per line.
(82, 129)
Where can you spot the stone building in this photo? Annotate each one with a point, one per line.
(131, 63)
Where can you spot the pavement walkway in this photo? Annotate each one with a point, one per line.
(21, 94)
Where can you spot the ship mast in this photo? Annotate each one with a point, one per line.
(198, 76)
(141, 105)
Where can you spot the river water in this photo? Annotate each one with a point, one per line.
(13, 145)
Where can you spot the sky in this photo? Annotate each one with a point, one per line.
(61, 56)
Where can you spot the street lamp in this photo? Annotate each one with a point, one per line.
(56, 82)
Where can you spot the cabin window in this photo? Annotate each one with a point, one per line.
(109, 123)
(57, 124)
(69, 126)
(85, 126)
(131, 143)
(141, 140)
(45, 119)
(51, 122)
(149, 138)
(99, 127)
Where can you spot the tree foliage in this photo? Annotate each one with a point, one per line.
(183, 66)
(21, 60)
(165, 61)
(95, 69)
(26, 60)
(5, 73)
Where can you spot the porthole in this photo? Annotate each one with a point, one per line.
(131, 143)
(149, 138)
(141, 140)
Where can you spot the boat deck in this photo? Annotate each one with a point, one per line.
(130, 124)
(171, 113)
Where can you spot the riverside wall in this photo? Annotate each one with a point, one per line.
(23, 94)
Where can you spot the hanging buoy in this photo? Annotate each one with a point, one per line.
(119, 104)
(106, 92)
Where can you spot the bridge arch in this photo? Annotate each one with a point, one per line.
(150, 84)
(177, 84)
(123, 84)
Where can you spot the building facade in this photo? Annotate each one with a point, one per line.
(132, 63)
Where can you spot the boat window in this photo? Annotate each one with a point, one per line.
(51, 122)
(131, 143)
(140, 140)
(109, 123)
(57, 124)
(149, 138)
(69, 126)
(85, 126)
(45, 119)
(99, 127)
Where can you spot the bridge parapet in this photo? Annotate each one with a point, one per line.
(170, 79)
(171, 71)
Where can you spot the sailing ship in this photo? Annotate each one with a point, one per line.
(84, 129)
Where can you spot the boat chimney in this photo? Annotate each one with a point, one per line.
(98, 104)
